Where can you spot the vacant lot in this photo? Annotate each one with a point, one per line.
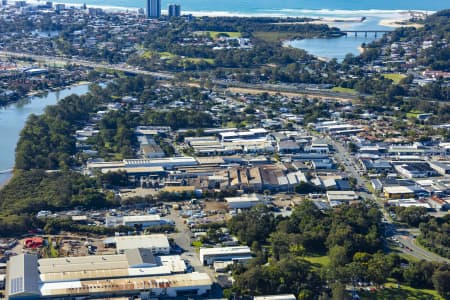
(395, 77)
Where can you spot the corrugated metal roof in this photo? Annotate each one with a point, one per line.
(23, 275)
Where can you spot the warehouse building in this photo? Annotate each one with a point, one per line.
(398, 192)
(210, 255)
(157, 243)
(415, 170)
(142, 221)
(244, 201)
(137, 273)
(339, 197)
(443, 168)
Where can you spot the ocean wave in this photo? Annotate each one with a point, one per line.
(8, 171)
(342, 13)
(281, 13)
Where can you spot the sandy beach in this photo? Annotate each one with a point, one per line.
(397, 23)
(403, 20)
(3, 184)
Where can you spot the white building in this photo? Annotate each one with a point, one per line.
(158, 243)
(167, 163)
(240, 253)
(276, 297)
(99, 277)
(339, 197)
(244, 201)
(143, 221)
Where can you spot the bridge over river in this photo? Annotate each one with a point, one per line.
(366, 32)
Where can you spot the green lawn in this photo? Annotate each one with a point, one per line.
(395, 77)
(217, 34)
(320, 261)
(166, 55)
(197, 60)
(391, 292)
(275, 36)
(339, 89)
(197, 244)
(231, 124)
(413, 113)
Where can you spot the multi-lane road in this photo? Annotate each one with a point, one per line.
(58, 60)
(404, 238)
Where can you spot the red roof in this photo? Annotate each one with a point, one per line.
(34, 242)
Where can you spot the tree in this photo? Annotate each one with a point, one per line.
(338, 256)
(307, 188)
(253, 225)
(419, 274)
(441, 282)
(412, 216)
(338, 291)
(378, 268)
(352, 147)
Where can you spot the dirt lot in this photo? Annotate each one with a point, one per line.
(215, 206)
(66, 245)
(138, 192)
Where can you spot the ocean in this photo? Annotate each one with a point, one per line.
(333, 8)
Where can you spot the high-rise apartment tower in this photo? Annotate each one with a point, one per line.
(153, 9)
(174, 10)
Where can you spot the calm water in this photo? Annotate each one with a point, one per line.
(340, 47)
(13, 118)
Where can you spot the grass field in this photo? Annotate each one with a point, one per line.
(391, 292)
(197, 60)
(320, 261)
(275, 36)
(413, 113)
(395, 77)
(217, 34)
(339, 89)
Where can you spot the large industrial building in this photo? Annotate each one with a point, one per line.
(142, 221)
(210, 255)
(157, 243)
(245, 201)
(135, 273)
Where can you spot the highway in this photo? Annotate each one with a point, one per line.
(405, 238)
(62, 60)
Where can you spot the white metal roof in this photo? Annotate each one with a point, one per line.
(225, 250)
(142, 241)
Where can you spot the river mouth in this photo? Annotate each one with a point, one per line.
(338, 47)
